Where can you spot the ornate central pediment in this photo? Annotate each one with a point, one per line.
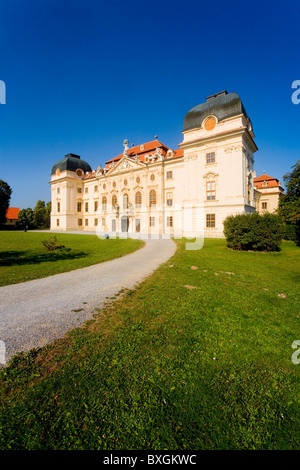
(124, 165)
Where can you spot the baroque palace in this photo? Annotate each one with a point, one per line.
(152, 190)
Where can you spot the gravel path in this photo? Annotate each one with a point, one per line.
(36, 312)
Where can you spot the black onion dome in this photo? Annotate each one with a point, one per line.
(71, 162)
(223, 105)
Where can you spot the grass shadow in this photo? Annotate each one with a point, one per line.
(11, 258)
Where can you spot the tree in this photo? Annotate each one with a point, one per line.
(289, 205)
(5, 194)
(48, 212)
(40, 216)
(26, 217)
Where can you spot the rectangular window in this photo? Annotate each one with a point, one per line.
(86, 190)
(169, 199)
(95, 222)
(210, 157)
(103, 222)
(264, 206)
(113, 225)
(79, 222)
(137, 225)
(58, 190)
(57, 222)
(79, 206)
(152, 221)
(86, 207)
(211, 191)
(169, 175)
(95, 189)
(79, 190)
(95, 206)
(210, 220)
(86, 222)
(58, 207)
(170, 221)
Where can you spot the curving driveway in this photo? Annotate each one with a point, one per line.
(36, 312)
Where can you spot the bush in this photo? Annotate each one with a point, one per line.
(51, 244)
(254, 232)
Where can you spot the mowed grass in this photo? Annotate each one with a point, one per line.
(190, 359)
(23, 256)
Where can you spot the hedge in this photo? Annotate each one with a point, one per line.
(254, 232)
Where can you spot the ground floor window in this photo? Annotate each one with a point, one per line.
(57, 222)
(86, 222)
(79, 222)
(103, 222)
(152, 221)
(137, 225)
(113, 225)
(95, 222)
(264, 206)
(210, 220)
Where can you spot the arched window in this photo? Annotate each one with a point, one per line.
(138, 199)
(152, 198)
(104, 203)
(114, 200)
(125, 201)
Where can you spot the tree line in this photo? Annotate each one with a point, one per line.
(39, 217)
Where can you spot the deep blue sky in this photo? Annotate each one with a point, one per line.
(81, 76)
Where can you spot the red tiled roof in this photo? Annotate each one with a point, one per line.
(271, 182)
(264, 178)
(141, 150)
(178, 153)
(12, 213)
(149, 148)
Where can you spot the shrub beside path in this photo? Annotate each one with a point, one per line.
(36, 312)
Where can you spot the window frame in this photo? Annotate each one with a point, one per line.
(210, 190)
(152, 198)
(210, 157)
(211, 220)
(169, 221)
(169, 199)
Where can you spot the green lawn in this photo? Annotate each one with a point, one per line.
(190, 359)
(23, 256)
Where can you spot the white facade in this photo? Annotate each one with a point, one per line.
(194, 188)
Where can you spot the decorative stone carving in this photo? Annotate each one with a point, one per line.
(210, 175)
(158, 154)
(125, 151)
(124, 165)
